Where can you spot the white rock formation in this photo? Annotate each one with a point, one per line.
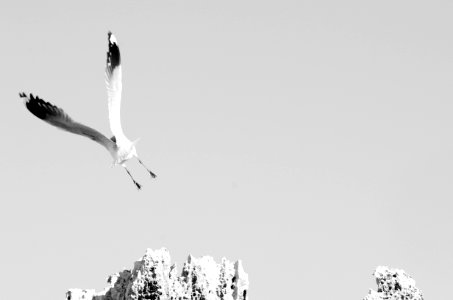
(154, 277)
(393, 284)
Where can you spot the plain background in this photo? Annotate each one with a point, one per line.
(310, 139)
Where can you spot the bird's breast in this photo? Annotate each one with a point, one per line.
(123, 155)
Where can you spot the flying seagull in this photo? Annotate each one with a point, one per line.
(119, 146)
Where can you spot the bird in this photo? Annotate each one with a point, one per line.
(119, 146)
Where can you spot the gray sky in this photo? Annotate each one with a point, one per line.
(311, 139)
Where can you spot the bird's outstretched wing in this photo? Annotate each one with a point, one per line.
(113, 78)
(58, 118)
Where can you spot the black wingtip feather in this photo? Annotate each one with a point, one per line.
(39, 107)
(113, 55)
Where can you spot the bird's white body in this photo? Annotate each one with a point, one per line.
(119, 146)
(125, 151)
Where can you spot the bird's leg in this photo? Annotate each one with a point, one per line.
(151, 173)
(135, 182)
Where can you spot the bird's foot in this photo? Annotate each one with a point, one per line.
(138, 185)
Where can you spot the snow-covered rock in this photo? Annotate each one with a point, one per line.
(154, 277)
(393, 284)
